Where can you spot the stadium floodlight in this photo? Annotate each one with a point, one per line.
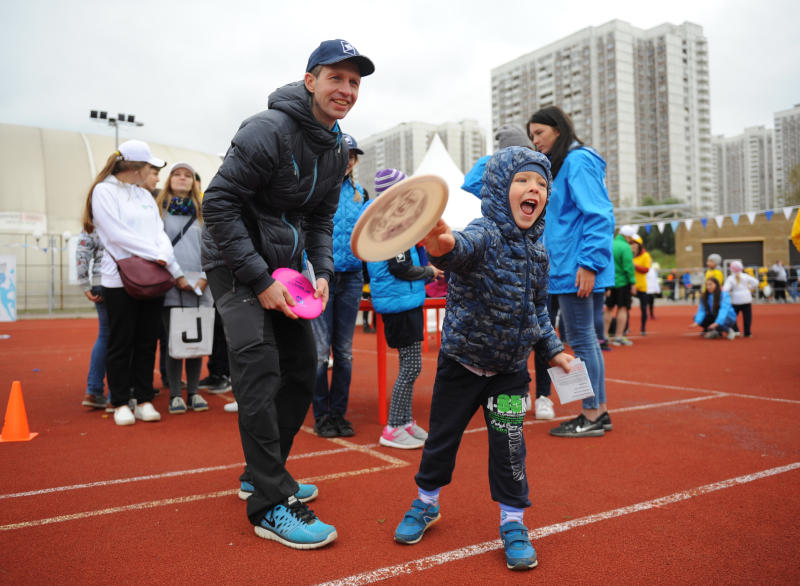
(102, 115)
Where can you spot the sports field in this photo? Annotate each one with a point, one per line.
(698, 483)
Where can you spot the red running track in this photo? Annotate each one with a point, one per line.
(698, 482)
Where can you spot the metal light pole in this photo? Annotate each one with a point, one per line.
(102, 115)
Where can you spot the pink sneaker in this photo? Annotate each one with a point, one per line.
(416, 431)
(399, 438)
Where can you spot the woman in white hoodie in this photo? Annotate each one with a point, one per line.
(740, 286)
(128, 223)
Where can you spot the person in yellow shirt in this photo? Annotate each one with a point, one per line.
(641, 265)
(713, 262)
(796, 231)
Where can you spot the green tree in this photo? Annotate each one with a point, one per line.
(793, 188)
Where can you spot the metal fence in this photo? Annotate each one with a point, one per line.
(45, 275)
(46, 281)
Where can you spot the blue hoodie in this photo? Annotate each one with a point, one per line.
(497, 291)
(351, 202)
(580, 222)
(726, 315)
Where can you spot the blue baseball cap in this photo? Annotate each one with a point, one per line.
(337, 50)
(352, 144)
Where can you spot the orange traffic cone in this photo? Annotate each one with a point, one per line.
(16, 428)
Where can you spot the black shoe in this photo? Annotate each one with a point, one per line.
(605, 419)
(604, 346)
(326, 427)
(343, 427)
(215, 384)
(579, 427)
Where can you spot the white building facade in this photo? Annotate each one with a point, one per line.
(787, 149)
(640, 97)
(743, 171)
(404, 146)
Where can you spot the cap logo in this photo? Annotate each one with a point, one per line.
(349, 49)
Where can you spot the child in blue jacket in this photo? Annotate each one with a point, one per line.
(397, 288)
(715, 314)
(496, 314)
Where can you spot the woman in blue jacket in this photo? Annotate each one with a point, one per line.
(397, 288)
(578, 236)
(333, 330)
(715, 314)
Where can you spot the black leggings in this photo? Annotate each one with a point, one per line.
(643, 303)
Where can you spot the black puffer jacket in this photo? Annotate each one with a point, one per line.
(275, 193)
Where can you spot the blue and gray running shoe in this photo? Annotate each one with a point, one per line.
(416, 521)
(305, 494)
(294, 525)
(520, 554)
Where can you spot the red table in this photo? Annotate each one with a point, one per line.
(436, 303)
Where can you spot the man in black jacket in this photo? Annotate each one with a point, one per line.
(273, 200)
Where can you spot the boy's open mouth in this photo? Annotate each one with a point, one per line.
(528, 206)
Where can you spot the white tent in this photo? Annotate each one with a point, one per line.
(462, 206)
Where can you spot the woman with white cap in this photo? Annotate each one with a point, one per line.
(179, 202)
(128, 223)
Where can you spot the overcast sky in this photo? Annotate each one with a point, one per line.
(192, 70)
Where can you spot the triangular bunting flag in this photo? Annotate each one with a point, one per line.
(735, 218)
(704, 222)
(688, 224)
(787, 212)
(674, 225)
(751, 216)
(647, 228)
(719, 220)
(660, 227)
(769, 213)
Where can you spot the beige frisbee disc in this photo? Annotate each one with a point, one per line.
(399, 218)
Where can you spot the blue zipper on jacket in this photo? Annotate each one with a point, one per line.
(313, 185)
(294, 232)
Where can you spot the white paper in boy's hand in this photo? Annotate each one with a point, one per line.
(572, 385)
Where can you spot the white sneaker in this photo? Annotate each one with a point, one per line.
(544, 408)
(398, 437)
(416, 431)
(731, 334)
(232, 407)
(146, 412)
(124, 416)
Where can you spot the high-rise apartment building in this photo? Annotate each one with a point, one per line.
(787, 149)
(403, 147)
(640, 97)
(743, 171)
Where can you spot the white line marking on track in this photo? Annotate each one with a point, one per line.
(349, 447)
(181, 500)
(425, 563)
(696, 390)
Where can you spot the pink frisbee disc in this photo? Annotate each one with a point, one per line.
(303, 292)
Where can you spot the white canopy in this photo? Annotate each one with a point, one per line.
(462, 206)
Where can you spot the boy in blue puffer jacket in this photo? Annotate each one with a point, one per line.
(496, 314)
(397, 287)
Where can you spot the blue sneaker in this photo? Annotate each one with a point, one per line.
(520, 554)
(416, 521)
(305, 494)
(294, 525)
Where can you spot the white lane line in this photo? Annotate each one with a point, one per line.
(181, 500)
(696, 390)
(422, 564)
(173, 474)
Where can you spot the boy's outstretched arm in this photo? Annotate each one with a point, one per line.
(440, 240)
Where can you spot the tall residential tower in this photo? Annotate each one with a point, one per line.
(640, 97)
